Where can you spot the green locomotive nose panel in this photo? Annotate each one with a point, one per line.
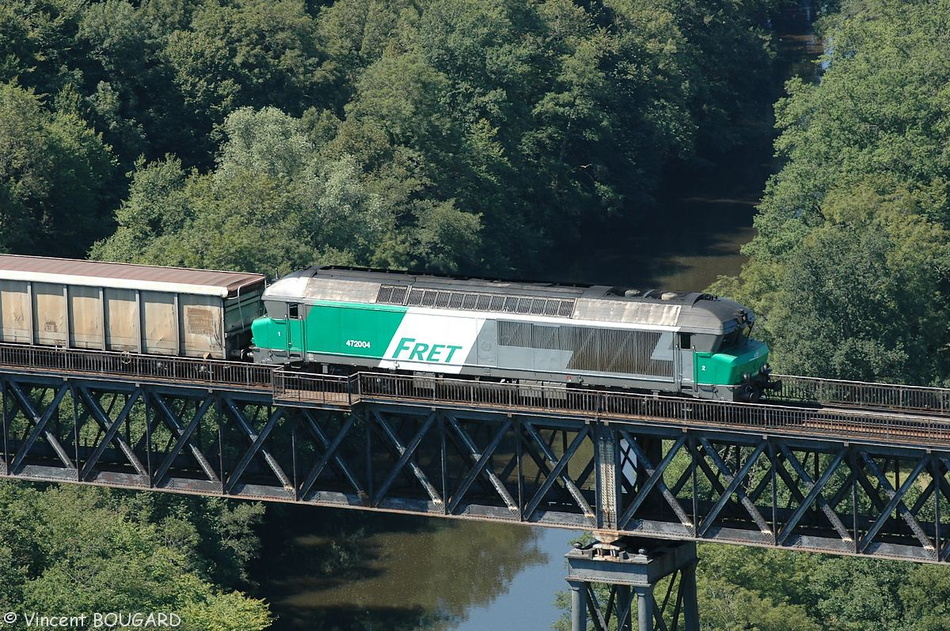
(364, 331)
(723, 369)
(269, 333)
(356, 330)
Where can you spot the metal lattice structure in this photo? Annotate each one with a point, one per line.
(620, 464)
(630, 571)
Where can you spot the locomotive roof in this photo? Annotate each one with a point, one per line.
(693, 311)
(42, 269)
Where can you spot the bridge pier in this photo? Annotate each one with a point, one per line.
(631, 568)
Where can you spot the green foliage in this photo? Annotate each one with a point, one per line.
(485, 133)
(224, 612)
(726, 607)
(850, 263)
(54, 174)
(75, 551)
(250, 52)
(845, 299)
(926, 591)
(272, 205)
(538, 118)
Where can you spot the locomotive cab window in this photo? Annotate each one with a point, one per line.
(276, 309)
(686, 341)
(738, 337)
(293, 311)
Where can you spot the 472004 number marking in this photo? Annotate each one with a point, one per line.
(358, 344)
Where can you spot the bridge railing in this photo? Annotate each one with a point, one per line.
(861, 394)
(136, 366)
(923, 419)
(290, 386)
(668, 410)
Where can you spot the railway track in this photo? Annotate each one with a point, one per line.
(860, 395)
(806, 406)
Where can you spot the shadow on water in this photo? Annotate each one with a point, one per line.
(349, 618)
(694, 235)
(704, 211)
(348, 570)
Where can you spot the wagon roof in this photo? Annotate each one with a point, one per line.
(689, 311)
(126, 276)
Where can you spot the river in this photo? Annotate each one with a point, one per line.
(343, 570)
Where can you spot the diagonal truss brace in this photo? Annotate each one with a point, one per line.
(183, 438)
(331, 452)
(734, 487)
(405, 457)
(39, 426)
(257, 446)
(481, 460)
(655, 479)
(814, 494)
(895, 502)
(111, 428)
(557, 470)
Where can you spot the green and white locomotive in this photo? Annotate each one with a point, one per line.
(345, 319)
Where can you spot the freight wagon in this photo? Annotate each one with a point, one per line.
(122, 307)
(343, 319)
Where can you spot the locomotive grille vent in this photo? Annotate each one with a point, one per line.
(472, 301)
(628, 352)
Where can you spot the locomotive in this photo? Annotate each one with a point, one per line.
(346, 319)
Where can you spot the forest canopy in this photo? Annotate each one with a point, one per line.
(851, 261)
(262, 135)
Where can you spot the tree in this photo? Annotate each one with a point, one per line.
(248, 53)
(55, 175)
(272, 205)
(850, 246)
(82, 550)
(863, 295)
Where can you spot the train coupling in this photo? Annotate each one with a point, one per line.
(754, 386)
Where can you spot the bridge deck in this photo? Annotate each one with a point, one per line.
(842, 480)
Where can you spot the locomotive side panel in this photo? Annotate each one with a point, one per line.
(352, 330)
(434, 342)
(693, 343)
(460, 343)
(586, 350)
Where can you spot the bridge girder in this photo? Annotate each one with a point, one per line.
(617, 477)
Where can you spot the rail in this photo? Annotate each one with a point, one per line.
(610, 405)
(205, 372)
(839, 392)
(907, 413)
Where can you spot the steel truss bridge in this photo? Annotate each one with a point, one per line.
(859, 469)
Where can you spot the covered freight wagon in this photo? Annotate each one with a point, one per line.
(122, 307)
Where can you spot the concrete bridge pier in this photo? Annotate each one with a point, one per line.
(629, 570)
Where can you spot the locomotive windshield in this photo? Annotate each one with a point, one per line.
(739, 337)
